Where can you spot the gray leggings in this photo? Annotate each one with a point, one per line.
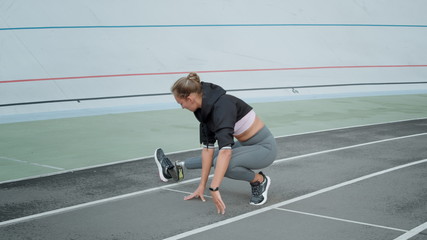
(256, 153)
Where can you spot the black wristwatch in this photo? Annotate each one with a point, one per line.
(214, 190)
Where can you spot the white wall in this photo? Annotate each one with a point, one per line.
(54, 51)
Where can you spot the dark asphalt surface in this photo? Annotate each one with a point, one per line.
(397, 199)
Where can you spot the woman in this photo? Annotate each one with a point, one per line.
(222, 118)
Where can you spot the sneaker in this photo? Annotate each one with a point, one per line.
(164, 165)
(259, 191)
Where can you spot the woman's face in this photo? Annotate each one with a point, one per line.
(189, 102)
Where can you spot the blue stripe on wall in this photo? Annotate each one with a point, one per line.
(216, 25)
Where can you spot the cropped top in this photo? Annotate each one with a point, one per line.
(245, 123)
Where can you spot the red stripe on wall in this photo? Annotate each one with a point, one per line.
(209, 71)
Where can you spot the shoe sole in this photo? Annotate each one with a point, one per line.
(159, 167)
(264, 194)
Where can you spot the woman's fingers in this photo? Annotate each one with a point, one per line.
(220, 206)
(188, 197)
(195, 195)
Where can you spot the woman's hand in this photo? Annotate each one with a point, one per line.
(216, 198)
(220, 206)
(199, 193)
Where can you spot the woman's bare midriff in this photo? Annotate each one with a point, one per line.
(252, 130)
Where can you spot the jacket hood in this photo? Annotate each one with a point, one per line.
(211, 94)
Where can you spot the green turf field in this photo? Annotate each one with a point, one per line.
(29, 149)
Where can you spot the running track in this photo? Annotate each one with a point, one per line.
(362, 182)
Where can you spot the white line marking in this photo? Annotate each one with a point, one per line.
(354, 126)
(189, 150)
(277, 205)
(30, 217)
(63, 170)
(347, 147)
(93, 203)
(412, 232)
(186, 193)
(30, 163)
(341, 220)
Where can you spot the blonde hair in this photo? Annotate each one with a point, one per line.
(185, 86)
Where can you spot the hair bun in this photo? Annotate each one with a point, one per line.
(193, 77)
(185, 86)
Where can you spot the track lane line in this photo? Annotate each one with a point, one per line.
(187, 193)
(342, 220)
(412, 232)
(31, 163)
(348, 147)
(124, 196)
(287, 202)
(93, 203)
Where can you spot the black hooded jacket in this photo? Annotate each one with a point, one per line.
(218, 115)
